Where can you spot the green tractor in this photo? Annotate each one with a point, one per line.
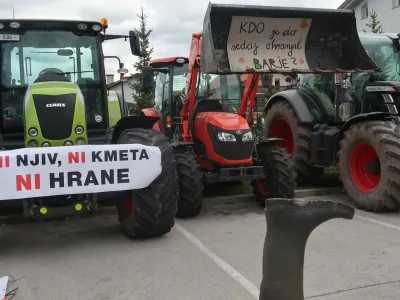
(54, 97)
(346, 119)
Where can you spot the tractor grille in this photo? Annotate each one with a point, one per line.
(55, 115)
(230, 151)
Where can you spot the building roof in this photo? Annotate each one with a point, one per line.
(348, 4)
(114, 83)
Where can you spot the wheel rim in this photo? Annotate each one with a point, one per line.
(281, 129)
(361, 154)
(128, 205)
(261, 187)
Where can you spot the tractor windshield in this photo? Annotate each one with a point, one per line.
(225, 88)
(38, 52)
(163, 85)
(385, 54)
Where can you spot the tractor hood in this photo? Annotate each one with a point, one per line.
(265, 39)
(224, 120)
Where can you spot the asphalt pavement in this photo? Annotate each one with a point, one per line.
(214, 256)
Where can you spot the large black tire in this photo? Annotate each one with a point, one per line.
(362, 142)
(150, 211)
(280, 179)
(191, 184)
(281, 122)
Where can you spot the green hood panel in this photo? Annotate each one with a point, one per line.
(54, 109)
(114, 107)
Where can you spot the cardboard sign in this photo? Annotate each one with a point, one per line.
(267, 44)
(49, 171)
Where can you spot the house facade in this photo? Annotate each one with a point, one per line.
(119, 85)
(388, 12)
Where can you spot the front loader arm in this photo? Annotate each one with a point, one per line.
(191, 83)
(249, 94)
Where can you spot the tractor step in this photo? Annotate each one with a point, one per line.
(40, 212)
(236, 174)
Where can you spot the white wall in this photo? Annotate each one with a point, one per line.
(388, 16)
(127, 91)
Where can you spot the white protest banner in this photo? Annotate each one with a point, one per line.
(49, 171)
(265, 44)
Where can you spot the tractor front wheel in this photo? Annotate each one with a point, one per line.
(150, 211)
(370, 165)
(191, 184)
(281, 122)
(280, 179)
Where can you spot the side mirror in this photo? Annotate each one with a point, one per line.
(65, 52)
(147, 77)
(134, 42)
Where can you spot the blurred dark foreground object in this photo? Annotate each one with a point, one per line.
(289, 224)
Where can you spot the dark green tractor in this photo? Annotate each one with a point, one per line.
(54, 94)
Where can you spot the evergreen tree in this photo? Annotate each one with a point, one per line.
(374, 24)
(142, 98)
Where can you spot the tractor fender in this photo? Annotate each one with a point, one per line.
(145, 122)
(152, 112)
(373, 116)
(296, 101)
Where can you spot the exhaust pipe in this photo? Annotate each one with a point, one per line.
(290, 223)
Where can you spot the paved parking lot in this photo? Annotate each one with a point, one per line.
(214, 256)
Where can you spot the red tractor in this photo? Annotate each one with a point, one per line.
(212, 139)
(195, 96)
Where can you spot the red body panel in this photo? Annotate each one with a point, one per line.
(152, 112)
(163, 62)
(225, 121)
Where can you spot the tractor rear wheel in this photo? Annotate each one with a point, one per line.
(191, 184)
(280, 179)
(370, 165)
(281, 122)
(150, 211)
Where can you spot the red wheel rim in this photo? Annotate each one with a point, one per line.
(128, 205)
(261, 187)
(281, 129)
(360, 155)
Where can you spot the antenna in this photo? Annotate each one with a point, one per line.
(13, 13)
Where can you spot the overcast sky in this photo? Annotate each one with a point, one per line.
(172, 21)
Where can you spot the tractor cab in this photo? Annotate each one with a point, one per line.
(368, 91)
(171, 76)
(53, 87)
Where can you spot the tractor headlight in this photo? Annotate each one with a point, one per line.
(14, 25)
(96, 27)
(68, 143)
(1, 25)
(226, 137)
(33, 144)
(247, 137)
(33, 132)
(79, 129)
(82, 26)
(80, 142)
(46, 144)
